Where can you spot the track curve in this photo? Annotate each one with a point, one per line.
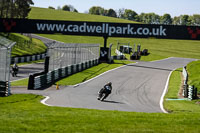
(136, 87)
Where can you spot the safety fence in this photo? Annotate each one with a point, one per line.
(43, 80)
(189, 91)
(27, 58)
(62, 54)
(5, 55)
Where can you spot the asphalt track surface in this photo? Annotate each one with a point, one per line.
(25, 70)
(136, 88)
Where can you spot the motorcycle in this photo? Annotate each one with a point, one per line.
(104, 93)
(14, 72)
(102, 96)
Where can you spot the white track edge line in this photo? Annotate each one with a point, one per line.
(44, 101)
(103, 74)
(164, 92)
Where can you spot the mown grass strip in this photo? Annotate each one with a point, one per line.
(178, 106)
(21, 82)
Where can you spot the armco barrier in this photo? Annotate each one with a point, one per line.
(185, 86)
(4, 85)
(27, 58)
(43, 80)
(189, 91)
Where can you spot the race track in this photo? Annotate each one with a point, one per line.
(136, 87)
(25, 70)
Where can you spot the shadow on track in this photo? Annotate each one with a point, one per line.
(107, 101)
(154, 68)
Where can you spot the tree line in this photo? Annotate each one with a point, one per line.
(15, 8)
(21, 9)
(147, 18)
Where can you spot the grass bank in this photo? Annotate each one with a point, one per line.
(193, 70)
(158, 48)
(25, 45)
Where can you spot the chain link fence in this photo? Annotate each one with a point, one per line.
(62, 54)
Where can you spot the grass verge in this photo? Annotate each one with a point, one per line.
(176, 106)
(193, 70)
(22, 82)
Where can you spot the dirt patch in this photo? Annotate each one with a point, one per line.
(180, 93)
(198, 102)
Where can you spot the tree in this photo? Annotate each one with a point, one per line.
(50, 7)
(59, 8)
(149, 18)
(23, 8)
(176, 21)
(72, 9)
(111, 13)
(152, 18)
(96, 10)
(166, 19)
(120, 13)
(15, 8)
(66, 8)
(130, 15)
(184, 19)
(195, 19)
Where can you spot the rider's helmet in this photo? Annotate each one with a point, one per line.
(109, 83)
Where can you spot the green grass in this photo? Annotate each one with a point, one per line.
(49, 14)
(24, 113)
(193, 69)
(175, 84)
(24, 46)
(158, 48)
(91, 73)
(180, 107)
(22, 49)
(22, 82)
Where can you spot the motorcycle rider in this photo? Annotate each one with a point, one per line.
(107, 89)
(14, 69)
